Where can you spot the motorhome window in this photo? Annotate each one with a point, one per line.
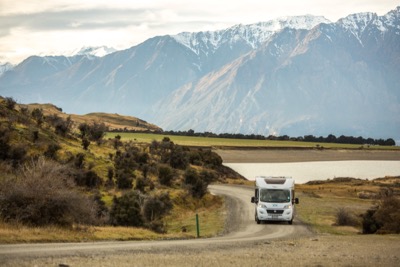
(275, 195)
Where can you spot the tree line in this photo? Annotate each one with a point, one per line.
(342, 139)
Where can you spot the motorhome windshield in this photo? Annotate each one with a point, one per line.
(275, 195)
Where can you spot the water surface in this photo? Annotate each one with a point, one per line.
(303, 172)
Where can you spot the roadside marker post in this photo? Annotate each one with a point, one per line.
(197, 225)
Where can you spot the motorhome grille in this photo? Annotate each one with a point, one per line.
(275, 211)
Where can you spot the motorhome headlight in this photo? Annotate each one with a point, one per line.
(287, 206)
(260, 205)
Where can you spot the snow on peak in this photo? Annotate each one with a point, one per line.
(253, 34)
(5, 67)
(99, 51)
(357, 22)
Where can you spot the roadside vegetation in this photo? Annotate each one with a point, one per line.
(56, 173)
(68, 180)
(348, 206)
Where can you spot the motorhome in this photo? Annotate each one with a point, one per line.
(274, 198)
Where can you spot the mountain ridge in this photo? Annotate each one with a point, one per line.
(291, 83)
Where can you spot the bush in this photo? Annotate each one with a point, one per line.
(62, 127)
(51, 151)
(178, 158)
(165, 175)
(38, 116)
(125, 210)
(88, 179)
(345, 218)
(43, 194)
(157, 206)
(388, 215)
(369, 223)
(124, 179)
(384, 218)
(195, 185)
(94, 132)
(10, 103)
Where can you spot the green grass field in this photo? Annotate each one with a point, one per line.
(228, 142)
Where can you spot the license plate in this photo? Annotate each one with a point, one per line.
(275, 216)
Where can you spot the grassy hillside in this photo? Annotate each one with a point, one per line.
(114, 187)
(113, 121)
(63, 182)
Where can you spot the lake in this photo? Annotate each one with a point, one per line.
(303, 172)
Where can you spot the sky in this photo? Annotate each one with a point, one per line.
(60, 27)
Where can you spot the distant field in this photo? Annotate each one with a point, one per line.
(227, 142)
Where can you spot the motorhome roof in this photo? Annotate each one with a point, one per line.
(274, 181)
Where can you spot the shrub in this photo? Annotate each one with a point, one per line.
(38, 116)
(165, 175)
(110, 175)
(43, 194)
(345, 218)
(388, 215)
(85, 143)
(88, 179)
(124, 179)
(195, 185)
(369, 223)
(178, 158)
(156, 206)
(384, 218)
(10, 103)
(62, 127)
(51, 151)
(126, 210)
(4, 143)
(94, 132)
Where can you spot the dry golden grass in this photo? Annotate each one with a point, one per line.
(319, 203)
(113, 121)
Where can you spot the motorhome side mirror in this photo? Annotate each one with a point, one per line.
(254, 200)
(296, 200)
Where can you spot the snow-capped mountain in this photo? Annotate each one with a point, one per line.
(295, 76)
(98, 51)
(5, 67)
(252, 34)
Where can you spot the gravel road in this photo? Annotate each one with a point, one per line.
(241, 230)
(244, 244)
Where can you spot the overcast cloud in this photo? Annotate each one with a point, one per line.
(53, 27)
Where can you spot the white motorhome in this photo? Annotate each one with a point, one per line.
(274, 198)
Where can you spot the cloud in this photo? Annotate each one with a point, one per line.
(75, 19)
(43, 26)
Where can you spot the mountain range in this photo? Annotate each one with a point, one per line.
(294, 75)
